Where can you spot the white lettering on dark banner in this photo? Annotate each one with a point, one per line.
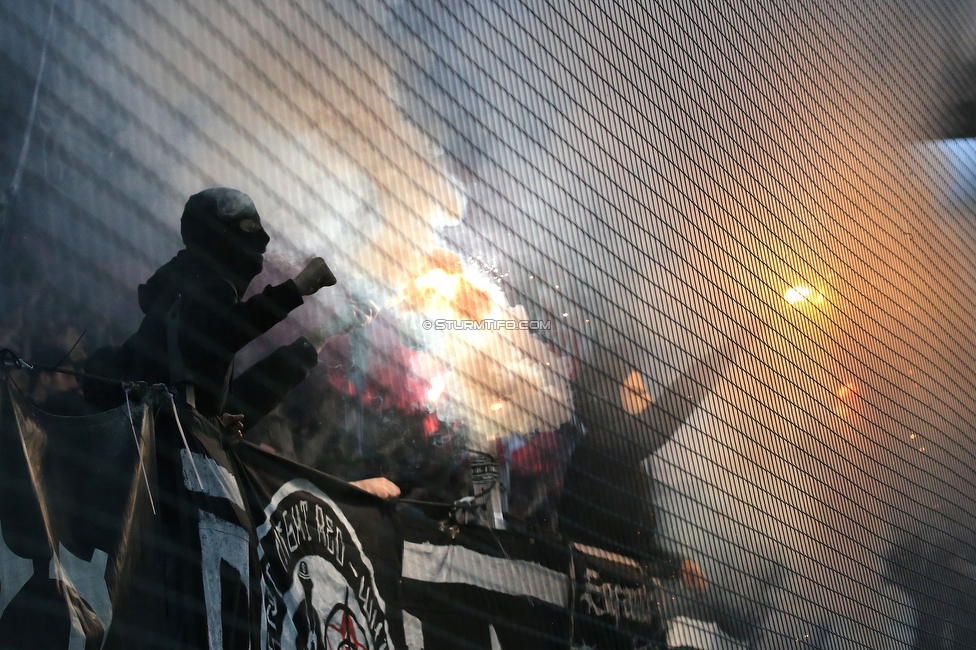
(318, 586)
(602, 598)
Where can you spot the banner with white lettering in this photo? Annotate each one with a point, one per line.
(615, 604)
(159, 533)
(328, 559)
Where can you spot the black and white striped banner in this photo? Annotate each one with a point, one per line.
(219, 548)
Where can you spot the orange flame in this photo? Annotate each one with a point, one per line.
(443, 286)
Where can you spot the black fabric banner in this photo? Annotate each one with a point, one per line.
(190, 586)
(70, 489)
(328, 559)
(615, 604)
(473, 587)
(219, 546)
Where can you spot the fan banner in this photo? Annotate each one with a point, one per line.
(146, 527)
(615, 604)
(474, 587)
(328, 558)
(73, 499)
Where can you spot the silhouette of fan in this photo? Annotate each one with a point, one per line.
(606, 499)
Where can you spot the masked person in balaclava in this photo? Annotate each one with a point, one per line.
(195, 322)
(195, 319)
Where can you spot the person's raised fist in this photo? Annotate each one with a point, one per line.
(314, 276)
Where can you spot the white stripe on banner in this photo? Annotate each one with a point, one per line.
(216, 481)
(458, 565)
(15, 571)
(220, 541)
(495, 643)
(413, 631)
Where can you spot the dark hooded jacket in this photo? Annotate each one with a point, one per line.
(195, 300)
(213, 325)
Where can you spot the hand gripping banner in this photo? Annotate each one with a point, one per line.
(328, 559)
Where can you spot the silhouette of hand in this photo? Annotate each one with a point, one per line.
(233, 423)
(314, 276)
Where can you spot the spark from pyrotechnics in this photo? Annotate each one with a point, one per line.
(441, 282)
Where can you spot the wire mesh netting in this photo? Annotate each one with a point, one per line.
(686, 285)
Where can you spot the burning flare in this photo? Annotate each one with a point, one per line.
(498, 381)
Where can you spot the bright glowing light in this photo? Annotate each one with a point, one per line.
(443, 283)
(800, 294)
(847, 391)
(471, 375)
(436, 388)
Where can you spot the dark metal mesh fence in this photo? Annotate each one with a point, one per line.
(701, 272)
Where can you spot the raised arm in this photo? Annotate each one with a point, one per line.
(235, 324)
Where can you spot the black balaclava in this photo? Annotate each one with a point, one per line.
(222, 226)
